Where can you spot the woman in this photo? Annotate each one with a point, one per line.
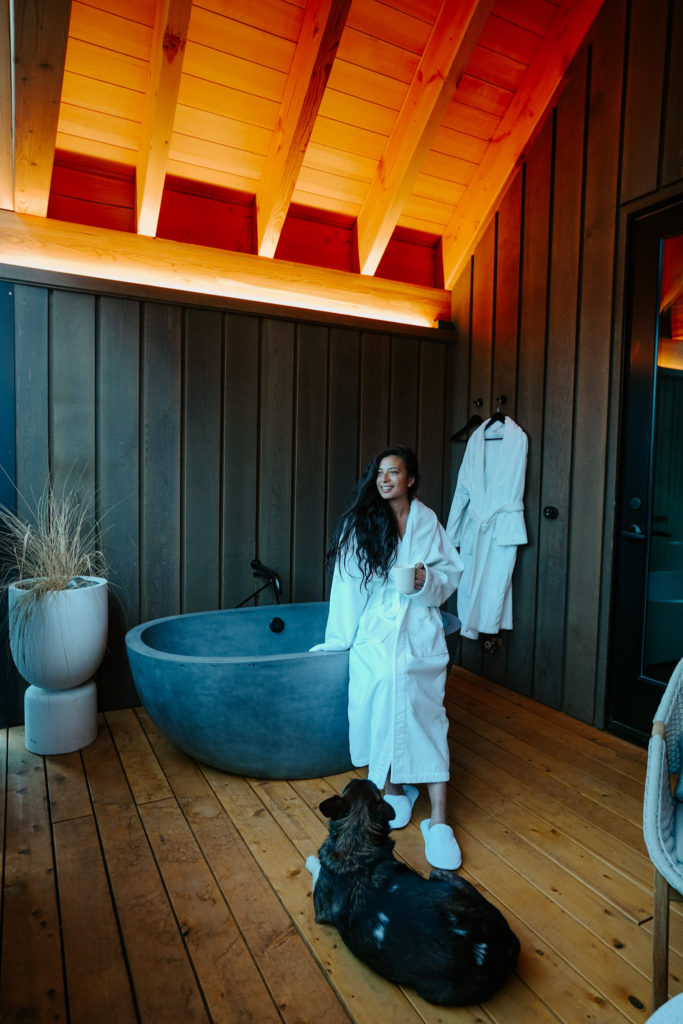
(398, 655)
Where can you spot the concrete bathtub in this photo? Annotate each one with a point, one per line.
(240, 690)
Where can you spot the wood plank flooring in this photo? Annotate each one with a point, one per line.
(139, 886)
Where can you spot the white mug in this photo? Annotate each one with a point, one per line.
(404, 578)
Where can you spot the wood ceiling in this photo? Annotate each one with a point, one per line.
(372, 137)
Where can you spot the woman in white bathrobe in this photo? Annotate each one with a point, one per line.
(398, 655)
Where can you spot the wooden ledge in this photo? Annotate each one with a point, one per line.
(43, 244)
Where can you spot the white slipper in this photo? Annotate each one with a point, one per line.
(441, 848)
(313, 865)
(403, 806)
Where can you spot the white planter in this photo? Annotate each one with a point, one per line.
(61, 641)
(59, 721)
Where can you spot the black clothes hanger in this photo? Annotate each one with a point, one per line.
(464, 433)
(474, 421)
(497, 417)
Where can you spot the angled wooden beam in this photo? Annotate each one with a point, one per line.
(315, 51)
(6, 127)
(39, 243)
(41, 29)
(166, 64)
(541, 83)
(455, 33)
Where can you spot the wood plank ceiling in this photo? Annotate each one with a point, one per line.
(372, 137)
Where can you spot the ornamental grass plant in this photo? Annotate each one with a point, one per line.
(54, 548)
(51, 550)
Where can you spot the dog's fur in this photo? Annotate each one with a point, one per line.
(436, 935)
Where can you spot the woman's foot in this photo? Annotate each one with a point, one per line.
(441, 848)
(403, 805)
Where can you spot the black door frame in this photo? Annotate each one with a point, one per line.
(9, 713)
(7, 420)
(632, 698)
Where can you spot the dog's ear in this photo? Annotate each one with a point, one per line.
(385, 812)
(335, 807)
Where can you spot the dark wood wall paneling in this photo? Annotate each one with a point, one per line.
(205, 438)
(536, 309)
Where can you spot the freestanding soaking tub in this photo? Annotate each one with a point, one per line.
(240, 690)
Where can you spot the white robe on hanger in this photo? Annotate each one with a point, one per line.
(398, 656)
(486, 523)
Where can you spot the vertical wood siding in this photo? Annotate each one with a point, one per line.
(205, 438)
(117, 400)
(554, 247)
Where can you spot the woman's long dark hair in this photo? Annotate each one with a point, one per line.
(369, 525)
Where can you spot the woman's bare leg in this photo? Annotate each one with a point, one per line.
(438, 792)
(392, 788)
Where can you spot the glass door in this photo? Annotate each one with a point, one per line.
(647, 625)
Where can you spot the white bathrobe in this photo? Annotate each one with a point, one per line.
(486, 523)
(398, 657)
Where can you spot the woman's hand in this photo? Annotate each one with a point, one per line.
(420, 575)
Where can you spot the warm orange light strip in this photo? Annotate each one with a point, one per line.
(50, 245)
(670, 354)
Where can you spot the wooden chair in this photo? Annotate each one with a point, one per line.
(663, 823)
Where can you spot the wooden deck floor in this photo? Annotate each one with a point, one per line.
(139, 886)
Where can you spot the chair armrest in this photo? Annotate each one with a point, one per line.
(659, 815)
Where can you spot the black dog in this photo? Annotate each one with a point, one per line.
(436, 935)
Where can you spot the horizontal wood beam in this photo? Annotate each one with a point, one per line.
(41, 29)
(321, 31)
(523, 117)
(49, 245)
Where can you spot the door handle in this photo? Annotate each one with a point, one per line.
(633, 532)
